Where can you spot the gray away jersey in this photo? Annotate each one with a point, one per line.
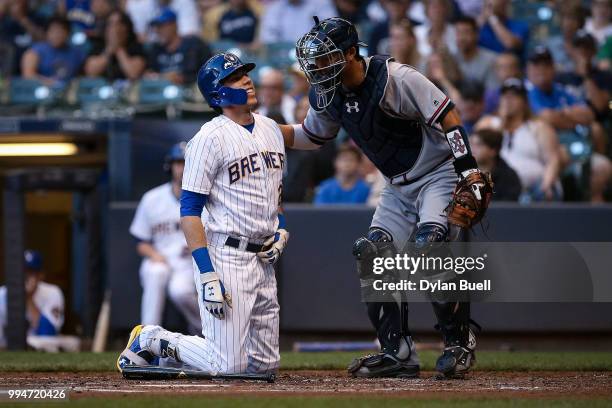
(408, 95)
(241, 172)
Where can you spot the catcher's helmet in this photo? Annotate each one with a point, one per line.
(212, 74)
(176, 153)
(320, 53)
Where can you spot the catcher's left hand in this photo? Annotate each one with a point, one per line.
(470, 199)
(274, 247)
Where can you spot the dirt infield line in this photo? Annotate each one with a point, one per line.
(308, 383)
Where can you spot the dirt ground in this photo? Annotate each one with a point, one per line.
(480, 383)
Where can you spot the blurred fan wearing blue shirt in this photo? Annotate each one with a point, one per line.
(500, 33)
(347, 186)
(55, 59)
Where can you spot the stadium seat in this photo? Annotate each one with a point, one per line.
(158, 92)
(93, 90)
(30, 92)
(576, 176)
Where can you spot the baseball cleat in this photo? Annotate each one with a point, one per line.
(383, 365)
(455, 362)
(133, 354)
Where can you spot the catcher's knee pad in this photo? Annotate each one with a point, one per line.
(429, 233)
(377, 244)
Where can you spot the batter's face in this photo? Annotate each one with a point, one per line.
(177, 168)
(241, 80)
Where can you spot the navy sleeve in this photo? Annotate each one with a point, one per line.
(192, 204)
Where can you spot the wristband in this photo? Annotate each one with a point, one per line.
(460, 148)
(202, 259)
(282, 222)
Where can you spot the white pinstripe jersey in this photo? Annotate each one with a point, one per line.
(241, 172)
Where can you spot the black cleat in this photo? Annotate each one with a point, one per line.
(455, 362)
(383, 365)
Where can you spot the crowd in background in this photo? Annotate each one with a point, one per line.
(537, 107)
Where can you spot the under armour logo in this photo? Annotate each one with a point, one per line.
(351, 109)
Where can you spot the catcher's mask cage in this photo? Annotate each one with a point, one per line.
(322, 59)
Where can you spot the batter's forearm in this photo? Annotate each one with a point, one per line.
(194, 232)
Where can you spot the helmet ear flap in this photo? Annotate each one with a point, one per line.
(215, 98)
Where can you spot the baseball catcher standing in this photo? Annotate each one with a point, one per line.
(412, 132)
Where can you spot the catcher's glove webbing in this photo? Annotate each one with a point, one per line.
(470, 199)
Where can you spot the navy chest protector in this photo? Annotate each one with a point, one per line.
(392, 144)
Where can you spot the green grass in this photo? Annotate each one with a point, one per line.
(487, 360)
(324, 402)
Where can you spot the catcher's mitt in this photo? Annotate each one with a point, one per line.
(470, 199)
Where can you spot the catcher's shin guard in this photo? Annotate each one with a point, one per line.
(398, 357)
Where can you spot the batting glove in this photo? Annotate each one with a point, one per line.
(274, 247)
(214, 294)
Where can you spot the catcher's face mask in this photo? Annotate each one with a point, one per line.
(322, 62)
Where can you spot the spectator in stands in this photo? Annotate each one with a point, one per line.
(175, 58)
(486, 145)
(238, 22)
(470, 104)
(403, 45)
(351, 10)
(78, 12)
(548, 99)
(444, 72)
(287, 20)
(142, 12)
(272, 97)
(584, 49)
(600, 23)
(530, 146)
(476, 63)
(604, 55)
(299, 84)
(54, 61)
(347, 186)
(44, 302)
(101, 10)
(211, 12)
(121, 56)
(20, 27)
(500, 33)
(436, 33)
(396, 11)
(507, 65)
(562, 46)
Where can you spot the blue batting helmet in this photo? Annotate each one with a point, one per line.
(176, 153)
(212, 74)
(32, 260)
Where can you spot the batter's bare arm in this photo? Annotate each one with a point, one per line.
(193, 228)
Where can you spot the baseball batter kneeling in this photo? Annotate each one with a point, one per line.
(411, 131)
(234, 167)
